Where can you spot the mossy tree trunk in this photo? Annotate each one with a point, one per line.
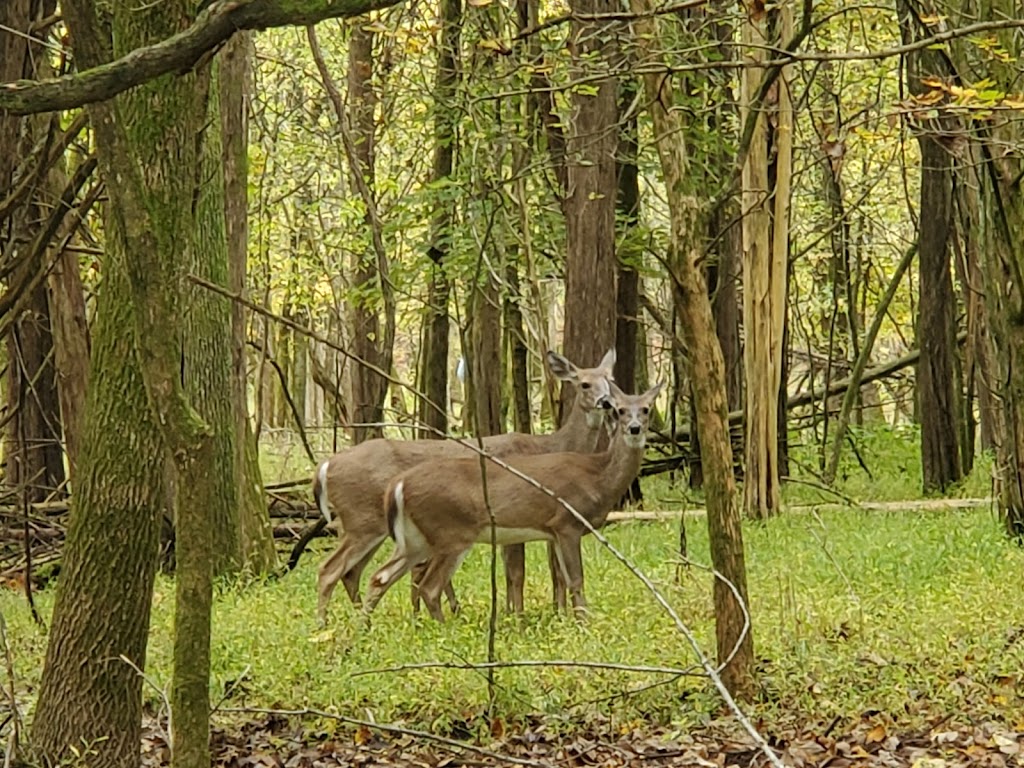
(704, 364)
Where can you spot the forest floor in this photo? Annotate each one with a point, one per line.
(279, 741)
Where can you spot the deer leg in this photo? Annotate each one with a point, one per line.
(557, 578)
(571, 559)
(416, 577)
(437, 579)
(352, 553)
(514, 556)
(385, 576)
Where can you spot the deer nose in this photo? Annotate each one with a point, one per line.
(634, 429)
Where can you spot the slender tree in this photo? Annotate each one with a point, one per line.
(704, 363)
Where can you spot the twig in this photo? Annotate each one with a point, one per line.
(453, 744)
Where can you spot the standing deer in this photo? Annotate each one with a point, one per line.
(351, 484)
(437, 513)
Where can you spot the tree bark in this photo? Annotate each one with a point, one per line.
(368, 340)
(590, 266)
(256, 534)
(434, 362)
(936, 332)
(766, 186)
(90, 693)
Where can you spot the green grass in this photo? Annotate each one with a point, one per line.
(912, 614)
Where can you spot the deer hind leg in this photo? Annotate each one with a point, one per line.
(351, 556)
(411, 549)
(567, 547)
(514, 557)
(418, 572)
(437, 579)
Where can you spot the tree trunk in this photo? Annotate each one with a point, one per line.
(256, 535)
(590, 266)
(32, 452)
(765, 263)
(434, 359)
(368, 388)
(101, 611)
(518, 352)
(485, 373)
(940, 444)
(706, 370)
(936, 333)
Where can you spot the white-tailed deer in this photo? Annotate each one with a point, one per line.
(437, 513)
(351, 484)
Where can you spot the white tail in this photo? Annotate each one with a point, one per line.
(441, 511)
(352, 483)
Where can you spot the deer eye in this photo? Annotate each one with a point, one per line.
(622, 411)
(585, 385)
(645, 411)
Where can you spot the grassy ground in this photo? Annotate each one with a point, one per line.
(916, 616)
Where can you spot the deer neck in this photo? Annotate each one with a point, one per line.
(623, 465)
(575, 434)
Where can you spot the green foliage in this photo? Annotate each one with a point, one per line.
(913, 615)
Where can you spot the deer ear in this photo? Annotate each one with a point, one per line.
(652, 393)
(608, 362)
(615, 394)
(560, 367)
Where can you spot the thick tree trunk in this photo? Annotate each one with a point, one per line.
(590, 266)
(256, 535)
(91, 692)
(936, 333)
(434, 359)
(207, 350)
(485, 372)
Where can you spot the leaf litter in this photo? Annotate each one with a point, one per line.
(874, 741)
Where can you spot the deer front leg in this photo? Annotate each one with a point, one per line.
(386, 575)
(514, 556)
(571, 559)
(557, 578)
